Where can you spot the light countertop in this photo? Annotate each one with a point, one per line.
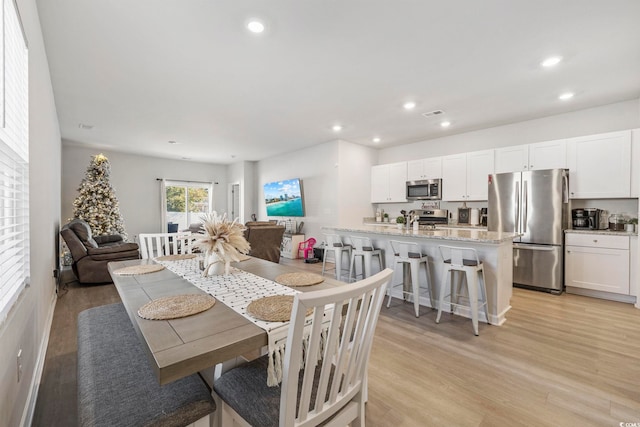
(440, 233)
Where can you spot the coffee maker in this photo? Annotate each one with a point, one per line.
(483, 217)
(587, 219)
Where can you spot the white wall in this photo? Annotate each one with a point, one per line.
(612, 117)
(335, 179)
(354, 188)
(27, 326)
(134, 179)
(243, 174)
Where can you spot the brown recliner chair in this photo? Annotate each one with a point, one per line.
(91, 254)
(265, 238)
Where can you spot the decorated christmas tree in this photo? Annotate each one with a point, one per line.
(97, 203)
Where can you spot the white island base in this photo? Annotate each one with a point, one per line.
(494, 249)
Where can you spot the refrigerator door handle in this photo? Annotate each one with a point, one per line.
(517, 221)
(525, 208)
(545, 248)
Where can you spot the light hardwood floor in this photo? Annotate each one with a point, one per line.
(558, 361)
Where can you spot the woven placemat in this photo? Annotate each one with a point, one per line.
(299, 279)
(276, 308)
(175, 257)
(176, 306)
(133, 270)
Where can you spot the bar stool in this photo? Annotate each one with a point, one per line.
(337, 249)
(463, 260)
(408, 254)
(363, 248)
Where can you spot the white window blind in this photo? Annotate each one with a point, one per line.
(14, 160)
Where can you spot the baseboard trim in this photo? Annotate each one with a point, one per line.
(30, 407)
(629, 299)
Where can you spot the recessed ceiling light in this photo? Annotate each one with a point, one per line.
(255, 26)
(376, 139)
(186, 158)
(565, 96)
(409, 105)
(445, 124)
(551, 61)
(172, 142)
(336, 128)
(85, 126)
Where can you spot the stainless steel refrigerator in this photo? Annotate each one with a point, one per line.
(536, 205)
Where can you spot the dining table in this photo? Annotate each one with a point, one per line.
(180, 347)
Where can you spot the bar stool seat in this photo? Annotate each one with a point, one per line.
(363, 248)
(409, 254)
(336, 248)
(463, 260)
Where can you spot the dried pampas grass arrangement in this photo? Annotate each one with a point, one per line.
(223, 239)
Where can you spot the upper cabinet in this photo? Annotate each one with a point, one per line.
(635, 163)
(600, 166)
(464, 176)
(430, 168)
(389, 183)
(541, 155)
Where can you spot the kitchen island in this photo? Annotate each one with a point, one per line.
(494, 249)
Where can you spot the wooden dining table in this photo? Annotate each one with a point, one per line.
(180, 347)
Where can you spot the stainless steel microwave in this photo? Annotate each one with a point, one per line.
(428, 189)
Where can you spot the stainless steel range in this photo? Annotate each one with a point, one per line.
(431, 216)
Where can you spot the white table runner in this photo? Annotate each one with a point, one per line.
(236, 290)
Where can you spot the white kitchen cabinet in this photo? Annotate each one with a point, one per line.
(600, 166)
(389, 183)
(430, 168)
(635, 163)
(464, 176)
(512, 159)
(548, 155)
(538, 156)
(597, 262)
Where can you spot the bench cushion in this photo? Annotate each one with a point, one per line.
(116, 384)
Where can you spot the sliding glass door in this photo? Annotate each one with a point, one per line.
(186, 202)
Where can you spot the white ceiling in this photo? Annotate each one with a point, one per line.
(144, 72)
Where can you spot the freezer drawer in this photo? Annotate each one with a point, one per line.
(538, 266)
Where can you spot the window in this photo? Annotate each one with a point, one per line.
(185, 202)
(14, 160)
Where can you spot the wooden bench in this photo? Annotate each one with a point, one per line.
(116, 385)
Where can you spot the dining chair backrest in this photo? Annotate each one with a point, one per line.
(338, 366)
(457, 256)
(158, 244)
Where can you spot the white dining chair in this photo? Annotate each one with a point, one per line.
(327, 370)
(153, 245)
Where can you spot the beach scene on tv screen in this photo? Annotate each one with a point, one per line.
(284, 198)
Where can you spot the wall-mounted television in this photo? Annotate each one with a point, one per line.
(284, 198)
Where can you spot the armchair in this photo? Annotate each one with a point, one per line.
(92, 254)
(265, 239)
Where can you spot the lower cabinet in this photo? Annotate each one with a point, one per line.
(597, 262)
(289, 245)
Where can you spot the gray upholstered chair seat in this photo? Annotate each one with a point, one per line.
(116, 385)
(245, 389)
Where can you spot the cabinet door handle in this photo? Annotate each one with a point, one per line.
(595, 241)
(568, 252)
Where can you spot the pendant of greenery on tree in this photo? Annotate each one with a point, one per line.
(96, 202)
